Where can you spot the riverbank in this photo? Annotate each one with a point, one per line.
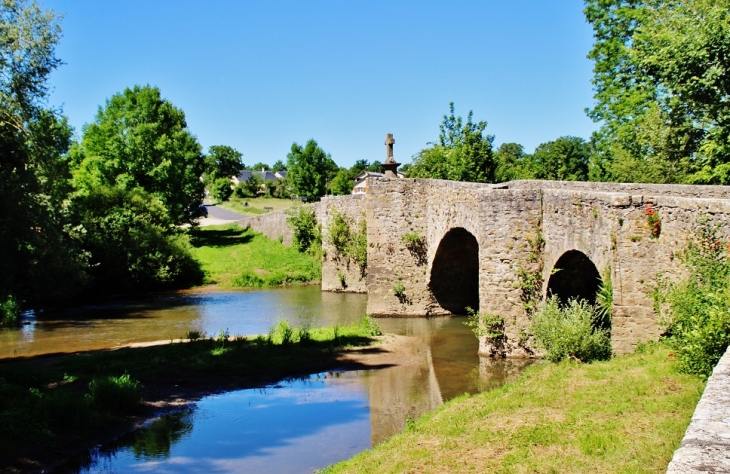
(624, 415)
(233, 257)
(57, 406)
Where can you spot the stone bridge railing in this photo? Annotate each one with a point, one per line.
(706, 443)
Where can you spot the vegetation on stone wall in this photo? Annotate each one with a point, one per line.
(697, 310)
(350, 244)
(416, 244)
(530, 275)
(307, 231)
(489, 326)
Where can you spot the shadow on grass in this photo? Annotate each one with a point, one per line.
(220, 238)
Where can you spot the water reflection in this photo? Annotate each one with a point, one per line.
(171, 316)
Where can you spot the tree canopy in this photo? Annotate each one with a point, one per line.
(140, 140)
(222, 162)
(309, 170)
(463, 153)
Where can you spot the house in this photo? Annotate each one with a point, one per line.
(361, 181)
(262, 175)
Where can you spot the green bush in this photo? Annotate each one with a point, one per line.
(570, 332)
(307, 232)
(698, 312)
(114, 394)
(222, 189)
(9, 312)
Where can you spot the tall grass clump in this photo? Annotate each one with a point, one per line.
(114, 394)
(697, 310)
(572, 332)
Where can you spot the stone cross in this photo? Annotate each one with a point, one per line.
(389, 142)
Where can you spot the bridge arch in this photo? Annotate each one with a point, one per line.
(574, 276)
(454, 279)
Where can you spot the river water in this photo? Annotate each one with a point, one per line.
(294, 426)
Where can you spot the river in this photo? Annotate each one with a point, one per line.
(294, 426)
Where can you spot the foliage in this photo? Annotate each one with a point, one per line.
(222, 189)
(9, 312)
(132, 241)
(307, 232)
(698, 313)
(530, 276)
(222, 162)
(627, 414)
(654, 221)
(232, 256)
(464, 152)
(511, 163)
(309, 170)
(351, 245)
(486, 325)
(564, 159)
(604, 301)
(661, 93)
(140, 140)
(278, 166)
(572, 332)
(115, 394)
(342, 183)
(41, 260)
(416, 244)
(371, 326)
(399, 290)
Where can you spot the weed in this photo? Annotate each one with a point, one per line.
(635, 238)
(307, 232)
(371, 327)
(222, 336)
(114, 394)
(194, 335)
(654, 221)
(416, 244)
(341, 277)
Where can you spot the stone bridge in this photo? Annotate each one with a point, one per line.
(436, 247)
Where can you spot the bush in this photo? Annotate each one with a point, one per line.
(698, 313)
(114, 394)
(222, 189)
(307, 232)
(9, 312)
(570, 332)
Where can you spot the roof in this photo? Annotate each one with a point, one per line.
(262, 175)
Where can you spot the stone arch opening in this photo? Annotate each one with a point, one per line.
(574, 276)
(455, 272)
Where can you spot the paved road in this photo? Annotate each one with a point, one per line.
(218, 215)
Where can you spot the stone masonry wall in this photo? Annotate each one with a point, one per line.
(340, 273)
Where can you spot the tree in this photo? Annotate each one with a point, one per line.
(342, 183)
(260, 166)
(309, 170)
(361, 166)
(512, 163)
(222, 162)
(40, 259)
(464, 152)
(564, 159)
(661, 90)
(222, 189)
(140, 140)
(278, 166)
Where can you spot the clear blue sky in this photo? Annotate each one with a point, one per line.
(260, 75)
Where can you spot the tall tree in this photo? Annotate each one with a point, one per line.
(222, 162)
(309, 170)
(511, 162)
(39, 261)
(464, 152)
(140, 140)
(564, 159)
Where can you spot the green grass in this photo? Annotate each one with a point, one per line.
(255, 205)
(624, 415)
(46, 403)
(234, 257)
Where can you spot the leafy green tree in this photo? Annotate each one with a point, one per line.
(133, 242)
(512, 163)
(342, 183)
(464, 152)
(222, 162)
(564, 159)
(260, 166)
(661, 90)
(309, 170)
(140, 140)
(361, 166)
(278, 166)
(222, 189)
(41, 261)
(375, 167)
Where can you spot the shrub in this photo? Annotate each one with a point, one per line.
(9, 312)
(114, 394)
(570, 332)
(222, 189)
(371, 326)
(352, 245)
(307, 232)
(698, 313)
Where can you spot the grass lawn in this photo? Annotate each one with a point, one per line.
(234, 257)
(624, 415)
(255, 205)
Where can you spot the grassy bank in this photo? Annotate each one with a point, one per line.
(233, 257)
(54, 406)
(255, 205)
(624, 415)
